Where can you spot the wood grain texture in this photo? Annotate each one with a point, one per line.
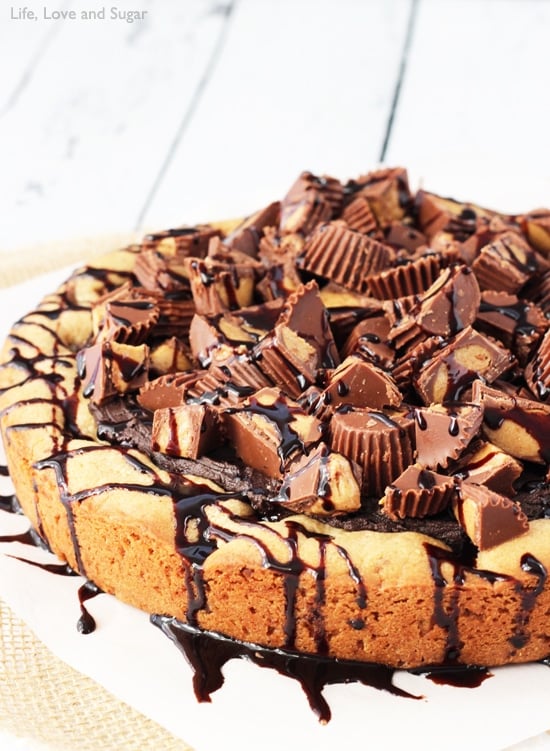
(82, 142)
(473, 114)
(300, 85)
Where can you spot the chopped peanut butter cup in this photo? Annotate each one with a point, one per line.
(488, 518)
(168, 355)
(310, 200)
(359, 216)
(181, 241)
(443, 432)
(369, 340)
(166, 391)
(436, 214)
(322, 483)
(537, 371)
(188, 430)
(450, 372)
(160, 273)
(125, 316)
(488, 465)
(505, 264)
(516, 425)
(517, 323)
(215, 338)
(418, 492)
(218, 286)
(387, 191)
(238, 377)
(447, 307)
(536, 226)
(247, 235)
(359, 383)
(301, 343)
(111, 368)
(269, 430)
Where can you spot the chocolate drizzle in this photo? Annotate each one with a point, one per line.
(86, 623)
(59, 462)
(530, 565)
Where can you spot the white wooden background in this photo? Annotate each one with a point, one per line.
(210, 108)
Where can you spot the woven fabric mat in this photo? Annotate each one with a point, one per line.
(24, 263)
(44, 699)
(41, 697)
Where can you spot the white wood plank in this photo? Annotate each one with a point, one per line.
(301, 84)
(22, 45)
(474, 110)
(84, 140)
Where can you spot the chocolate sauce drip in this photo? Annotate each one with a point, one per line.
(445, 617)
(293, 568)
(191, 519)
(446, 614)
(4, 472)
(25, 538)
(86, 623)
(59, 569)
(58, 463)
(530, 565)
(6, 503)
(208, 652)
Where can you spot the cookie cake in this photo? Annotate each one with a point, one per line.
(322, 431)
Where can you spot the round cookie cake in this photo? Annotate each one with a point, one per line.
(322, 429)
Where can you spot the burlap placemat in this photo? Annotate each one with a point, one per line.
(44, 699)
(41, 697)
(24, 263)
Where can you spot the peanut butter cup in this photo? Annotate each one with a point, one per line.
(181, 241)
(358, 216)
(537, 370)
(505, 264)
(418, 492)
(322, 483)
(519, 324)
(536, 226)
(269, 430)
(381, 443)
(335, 252)
(443, 432)
(312, 199)
(359, 383)
(488, 518)
(488, 465)
(411, 277)
(448, 375)
(188, 430)
(516, 425)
